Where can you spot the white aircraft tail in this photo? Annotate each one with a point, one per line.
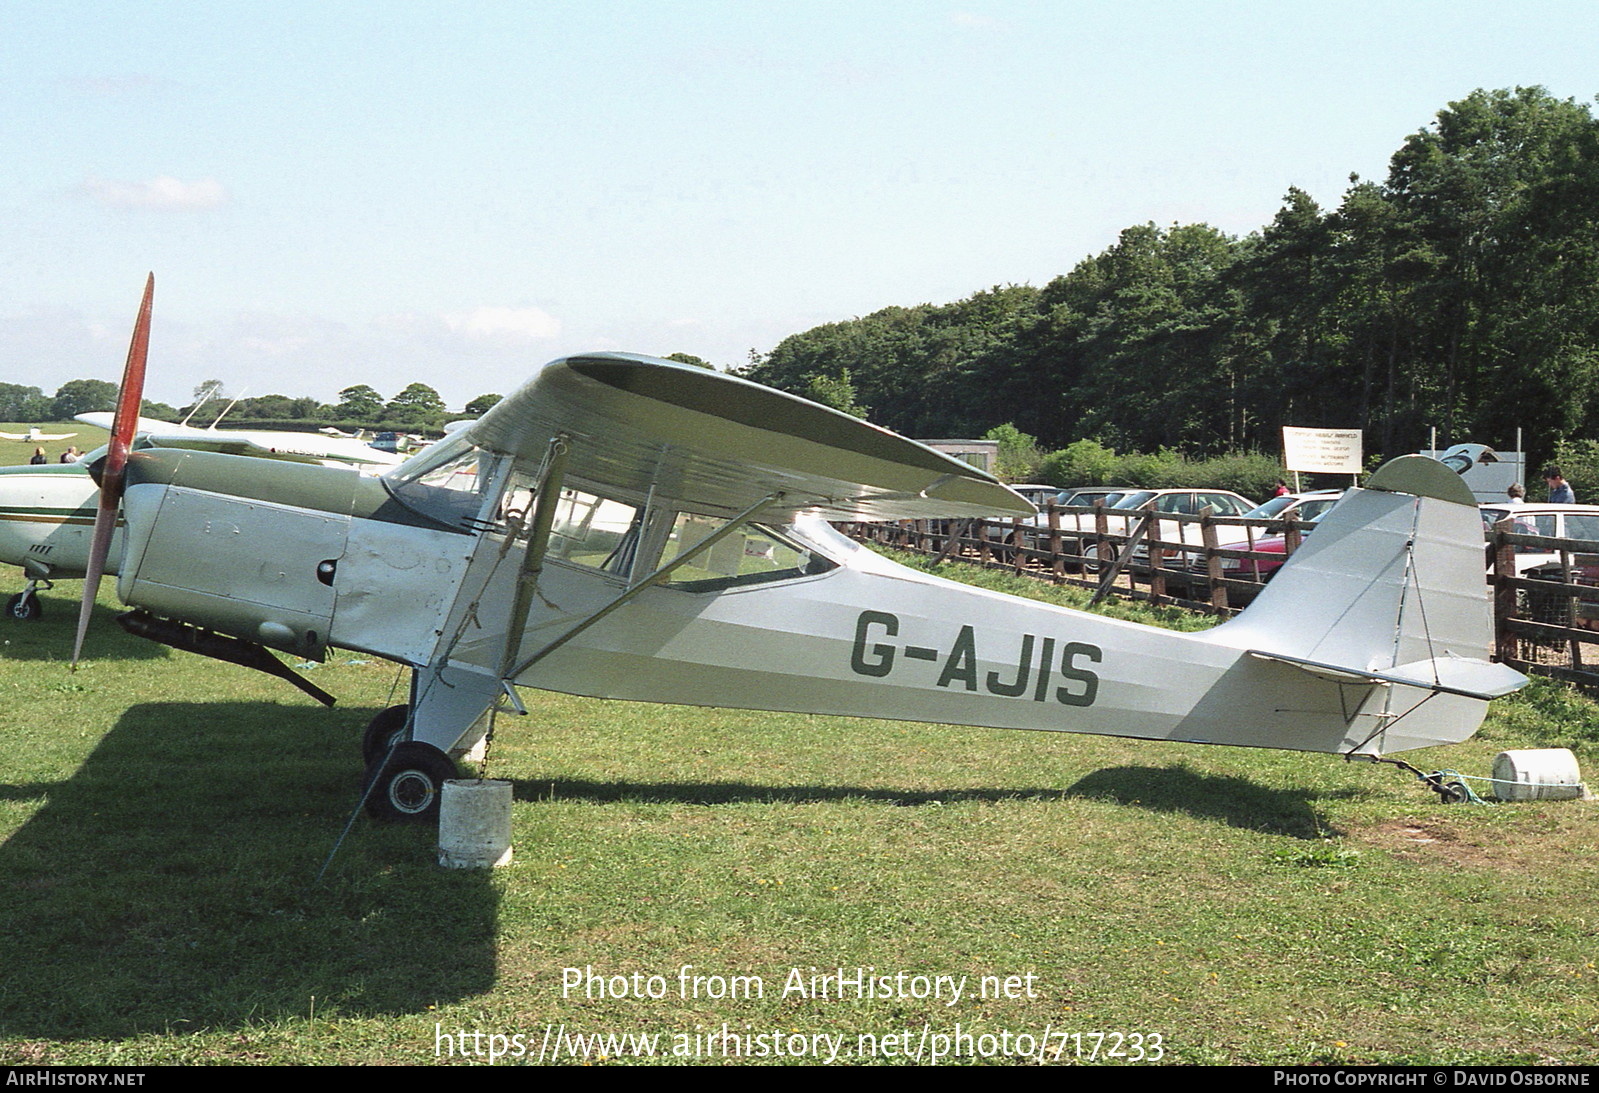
(1389, 590)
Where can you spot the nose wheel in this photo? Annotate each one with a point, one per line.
(25, 605)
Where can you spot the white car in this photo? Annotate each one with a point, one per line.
(1555, 521)
(1123, 515)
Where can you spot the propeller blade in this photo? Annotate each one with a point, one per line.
(123, 425)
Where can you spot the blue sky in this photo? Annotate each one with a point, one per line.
(383, 193)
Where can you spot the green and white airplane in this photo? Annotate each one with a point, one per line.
(47, 511)
(633, 528)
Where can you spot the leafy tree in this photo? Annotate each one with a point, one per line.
(359, 403)
(418, 407)
(837, 392)
(1018, 453)
(160, 411)
(19, 403)
(482, 405)
(689, 358)
(81, 397)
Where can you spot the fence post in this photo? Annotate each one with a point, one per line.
(1571, 608)
(1207, 534)
(1057, 567)
(1504, 556)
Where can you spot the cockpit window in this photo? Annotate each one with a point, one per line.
(595, 531)
(449, 487)
(752, 554)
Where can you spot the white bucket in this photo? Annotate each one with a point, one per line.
(1537, 774)
(475, 824)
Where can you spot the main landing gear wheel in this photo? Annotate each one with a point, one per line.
(24, 607)
(383, 732)
(406, 788)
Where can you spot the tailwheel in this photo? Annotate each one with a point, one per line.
(383, 732)
(24, 607)
(406, 787)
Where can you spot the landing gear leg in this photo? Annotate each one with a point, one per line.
(1446, 784)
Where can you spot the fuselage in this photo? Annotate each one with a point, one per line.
(427, 572)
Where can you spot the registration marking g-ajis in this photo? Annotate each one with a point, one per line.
(1045, 667)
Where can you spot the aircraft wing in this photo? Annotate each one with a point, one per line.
(296, 447)
(301, 447)
(722, 443)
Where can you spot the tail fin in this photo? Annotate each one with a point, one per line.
(1389, 590)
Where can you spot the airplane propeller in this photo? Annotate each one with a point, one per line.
(112, 471)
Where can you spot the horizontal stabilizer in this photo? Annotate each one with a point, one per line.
(1469, 678)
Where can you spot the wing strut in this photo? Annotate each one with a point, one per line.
(660, 574)
(545, 499)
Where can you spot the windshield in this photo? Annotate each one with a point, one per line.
(449, 483)
(1133, 500)
(1270, 508)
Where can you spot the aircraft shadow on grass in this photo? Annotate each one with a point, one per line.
(723, 793)
(1225, 797)
(1230, 799)
(50, 638)
(169, 885)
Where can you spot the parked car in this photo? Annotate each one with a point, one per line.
(1307, 508)
(1035, 529)
(1123, 515)
(1038, 494)
(1555, 521)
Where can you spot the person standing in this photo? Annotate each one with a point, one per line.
(38, 457)
(1560, 492)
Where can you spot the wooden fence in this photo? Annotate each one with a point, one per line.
(1540, 625)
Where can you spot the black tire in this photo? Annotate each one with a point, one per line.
(383, 732)
(24, 608)
(1455, 793)
(406, 789)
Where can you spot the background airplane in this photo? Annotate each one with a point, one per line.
(47, 512)
(35, 436)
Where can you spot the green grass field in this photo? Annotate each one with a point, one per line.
(164, 819)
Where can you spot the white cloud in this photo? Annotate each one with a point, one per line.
(505, 323)
(163, 192)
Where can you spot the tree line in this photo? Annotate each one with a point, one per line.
(417, 407)
(1460, 293)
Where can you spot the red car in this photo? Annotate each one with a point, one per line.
(1307, 508)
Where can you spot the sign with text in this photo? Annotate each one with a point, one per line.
(1330, 451)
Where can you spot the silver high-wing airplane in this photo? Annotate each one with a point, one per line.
(634, 528)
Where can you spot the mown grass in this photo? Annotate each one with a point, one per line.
(165, 818)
